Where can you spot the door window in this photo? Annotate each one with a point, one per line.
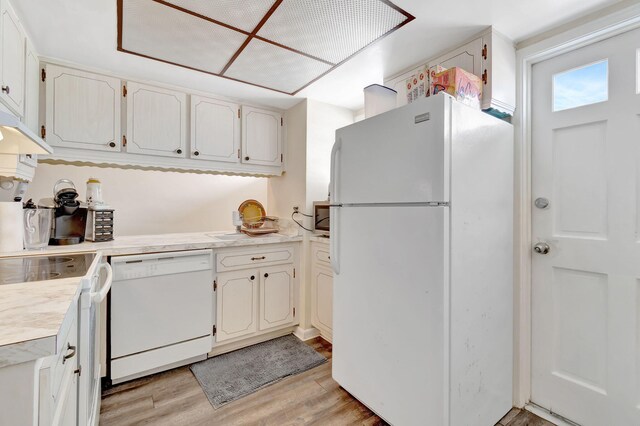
(581, 86)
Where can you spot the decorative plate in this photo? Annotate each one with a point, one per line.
(253, 214)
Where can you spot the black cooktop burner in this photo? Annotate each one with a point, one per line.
(40, 268)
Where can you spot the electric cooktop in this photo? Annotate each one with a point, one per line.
(40, 268)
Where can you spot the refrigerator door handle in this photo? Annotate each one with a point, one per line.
(335, 150)
(334, 230)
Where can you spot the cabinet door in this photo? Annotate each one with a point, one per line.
(69, 405)
(215, 130)
(322, 297)
(261, 137)
(82, 110)
(237, 304)
(12, 66)
(399, 84)
(32, 89)
(276, 296)
(467, 57)
(156, 121)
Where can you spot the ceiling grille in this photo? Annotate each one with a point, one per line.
(282, 45)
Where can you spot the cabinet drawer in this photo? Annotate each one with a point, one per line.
(321, 254)
(240, 260)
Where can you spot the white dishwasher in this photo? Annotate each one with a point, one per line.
(160, 312)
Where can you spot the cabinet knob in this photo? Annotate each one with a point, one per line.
(178, 151)
(253, 277)
(196, 153)
(266, 275)
(246, 158)
(6, 89)
(112, 144)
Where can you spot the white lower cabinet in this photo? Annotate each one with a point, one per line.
(255, 293)
(236, 305)
(276, 296)
(321, 290)
(58, 381)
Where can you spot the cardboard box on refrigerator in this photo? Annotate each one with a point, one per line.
(462, 85)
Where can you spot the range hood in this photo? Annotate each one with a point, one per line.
(17, 138)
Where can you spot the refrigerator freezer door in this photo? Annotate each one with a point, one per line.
(389, 305)
(401, 156)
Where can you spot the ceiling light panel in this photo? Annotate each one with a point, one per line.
(242, 14)
(266, 65)
(328, 29)
(161, 32)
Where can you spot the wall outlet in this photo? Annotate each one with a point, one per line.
(296, 209)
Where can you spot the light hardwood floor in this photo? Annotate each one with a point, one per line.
(313, 397)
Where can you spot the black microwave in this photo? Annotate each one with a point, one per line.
(321, 217)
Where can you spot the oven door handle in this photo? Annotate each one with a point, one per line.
(99, 296)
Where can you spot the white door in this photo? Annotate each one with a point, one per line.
(215, 130)
(237, 304)
(12, 66)
(82, 109)
(156, 121)
(276, 296)
(261, 137)
(586, 289)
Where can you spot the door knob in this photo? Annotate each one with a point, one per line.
(6, 89)
(541, 248)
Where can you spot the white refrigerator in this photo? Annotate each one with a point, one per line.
(422, 253)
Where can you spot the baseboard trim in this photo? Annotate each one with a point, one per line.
(546, 415)
(306, 333)
(225, 347)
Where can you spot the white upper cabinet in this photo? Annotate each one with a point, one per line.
(32, 89)
(261, 137)
(215, 130)
(467, 57)
(490, 56)
(82, 110)
(12, 58)
(156, 121)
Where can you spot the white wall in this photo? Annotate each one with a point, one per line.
(289, 189)
(158, 202)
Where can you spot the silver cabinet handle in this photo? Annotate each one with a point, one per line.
(71, 355)
(541, 248)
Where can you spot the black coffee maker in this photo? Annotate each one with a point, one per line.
(69, 219)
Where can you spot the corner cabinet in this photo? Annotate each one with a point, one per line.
(12, 58)
(156, 121)
(321, 289)
(215, 130)
(261, 137)
(491, 56)
(82, 110)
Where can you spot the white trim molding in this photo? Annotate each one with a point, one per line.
(306, 333)
(612, 21)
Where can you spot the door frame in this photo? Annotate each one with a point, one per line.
(598, 26)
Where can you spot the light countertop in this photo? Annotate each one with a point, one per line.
(32, 313)
(140, 244)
